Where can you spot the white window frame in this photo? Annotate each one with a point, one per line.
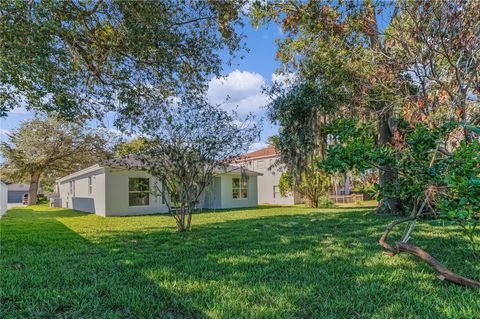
(240, 188)
(129, 192)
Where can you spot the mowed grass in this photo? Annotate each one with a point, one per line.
(270, 262)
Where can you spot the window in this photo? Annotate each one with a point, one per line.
(239, 188)
(261, 164)
(72, 188)
(138, 191)
(89, 185)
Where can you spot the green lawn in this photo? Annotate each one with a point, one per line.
(268, 262)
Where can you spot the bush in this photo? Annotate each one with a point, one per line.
(41, 199)
(325, 201)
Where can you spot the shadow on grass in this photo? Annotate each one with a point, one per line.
(51, 271)
(312, 265)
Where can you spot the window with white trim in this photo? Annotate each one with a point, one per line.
(138, 191)
(240, 188)
(90, 185)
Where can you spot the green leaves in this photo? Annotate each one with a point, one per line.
(82, 59)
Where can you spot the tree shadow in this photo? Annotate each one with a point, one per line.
(48, 270)
(312, 265)
(302, 263)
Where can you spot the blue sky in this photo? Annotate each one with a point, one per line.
(242, 83)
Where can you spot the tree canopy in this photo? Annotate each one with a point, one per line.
(50, 148)
(84, 58)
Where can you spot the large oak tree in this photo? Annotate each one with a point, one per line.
(50, 147)
(84, 58)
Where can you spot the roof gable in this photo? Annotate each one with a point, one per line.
(264, 152)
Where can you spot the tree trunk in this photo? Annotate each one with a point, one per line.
(33, 190)
(389, 204)
(387, 174)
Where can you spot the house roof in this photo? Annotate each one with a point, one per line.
(269, 151)
(231, 169)
(80, 173)
(130, 162)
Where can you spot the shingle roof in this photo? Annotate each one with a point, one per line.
(129, 161)
(267, 151)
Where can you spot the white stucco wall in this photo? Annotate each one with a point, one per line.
(212, 195)
(269, 179)
(117, 194)
(110, 193)
(226, 194)
(81, 199)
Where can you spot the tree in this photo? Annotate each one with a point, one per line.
(337, 46)
(84, 58)
(134, 146)
(188, 148)
(50, 147)
(416, 81)
(314, 186)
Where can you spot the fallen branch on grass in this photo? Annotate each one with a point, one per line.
(444, 273)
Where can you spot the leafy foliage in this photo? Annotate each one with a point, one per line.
(423, 165)
(460, 202)
(134, 146)
(84, 58)
(314, 186)
(189, 147)
(48, 148)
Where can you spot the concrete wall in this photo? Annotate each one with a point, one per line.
(268, 191)
(226, 194)
(117, 195)
(81, 199)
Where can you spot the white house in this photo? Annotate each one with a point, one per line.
(265, 161)
(113, 190)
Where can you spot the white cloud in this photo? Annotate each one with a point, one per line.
(239, 88)
(4, 131)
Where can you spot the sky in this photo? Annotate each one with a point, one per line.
(242, 84)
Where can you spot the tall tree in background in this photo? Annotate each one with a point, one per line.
(337, 46)
(84, 58)
(50, 147)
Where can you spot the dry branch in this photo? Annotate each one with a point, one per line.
(444, 273)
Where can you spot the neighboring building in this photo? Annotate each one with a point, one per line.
(3, 198)
(265, 161)
(113, 190)
(16, 192)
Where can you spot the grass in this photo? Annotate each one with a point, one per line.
(270, 262)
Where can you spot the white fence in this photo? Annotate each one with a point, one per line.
(347, 198)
